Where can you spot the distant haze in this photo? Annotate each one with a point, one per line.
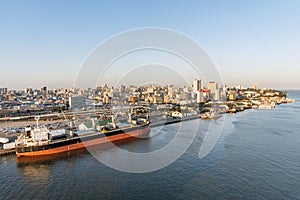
(44, 43)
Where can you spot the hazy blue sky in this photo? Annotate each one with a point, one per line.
(45, 42)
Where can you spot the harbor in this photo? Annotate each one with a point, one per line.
(239, 151)
(160, 115)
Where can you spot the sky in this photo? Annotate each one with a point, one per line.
(251, 41)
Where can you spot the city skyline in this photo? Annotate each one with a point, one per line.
(45, 43)
(150, 84)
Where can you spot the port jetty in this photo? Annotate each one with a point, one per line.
(166, 121)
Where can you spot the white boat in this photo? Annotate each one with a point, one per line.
(210, 115)
(290, 100)
(267, 106)
(4, 140)
(176, 114)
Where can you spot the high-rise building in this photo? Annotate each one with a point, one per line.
(43, 90)
(254, 86)
(123, 88)
(198, 97)
(28, 91)
(185, 95)
(212, 86)
(196, 85)
(3, 90)
(217, 94)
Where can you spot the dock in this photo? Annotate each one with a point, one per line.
(7, 152)
(168, 121)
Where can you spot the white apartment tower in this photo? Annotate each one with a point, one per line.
(196, 85)
(212, 86)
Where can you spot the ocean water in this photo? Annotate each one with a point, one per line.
(256, 157)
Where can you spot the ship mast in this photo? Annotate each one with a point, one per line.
(37, 121)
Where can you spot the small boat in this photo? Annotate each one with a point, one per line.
(210, 115)
(232, 110)
(290, 100)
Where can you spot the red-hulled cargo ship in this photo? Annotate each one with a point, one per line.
(40, 141)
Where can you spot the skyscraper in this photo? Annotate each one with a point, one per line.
(3, 90)
(254, 86)
(212, 86)
(196, 85)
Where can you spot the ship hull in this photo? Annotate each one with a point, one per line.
(82, 142)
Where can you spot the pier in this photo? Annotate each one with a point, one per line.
(168, 121)
(7, 152)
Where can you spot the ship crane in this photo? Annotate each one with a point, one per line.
(37, 118)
